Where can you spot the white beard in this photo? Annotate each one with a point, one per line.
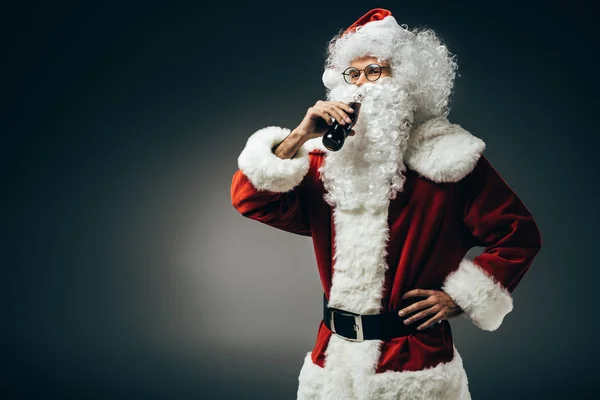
(368, 171)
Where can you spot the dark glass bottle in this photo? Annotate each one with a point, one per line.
(336, 135)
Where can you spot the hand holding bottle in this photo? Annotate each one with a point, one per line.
(323, 115)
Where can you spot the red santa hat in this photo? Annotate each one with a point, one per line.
(369, 35)
(376, 14)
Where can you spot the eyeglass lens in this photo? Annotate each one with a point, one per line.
(372, 73)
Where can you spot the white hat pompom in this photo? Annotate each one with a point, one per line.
(332, 78)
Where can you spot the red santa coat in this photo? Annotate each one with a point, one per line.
(453, 199)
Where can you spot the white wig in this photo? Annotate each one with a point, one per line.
(417, 57)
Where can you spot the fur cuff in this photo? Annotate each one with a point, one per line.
(264, 169)
(485, 301)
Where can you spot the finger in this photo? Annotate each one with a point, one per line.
(343, 106)
(344, 113)
(338, 114)
(351, 133)
(436, 318)
(321, 113)
(418, 293)
(324, 112)
(420, 315)
(415, 307)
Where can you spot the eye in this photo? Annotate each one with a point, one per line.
(353, 73)
(373, 70)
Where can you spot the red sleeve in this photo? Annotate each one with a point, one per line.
(270, 189)
(497, 220)
(286, 211)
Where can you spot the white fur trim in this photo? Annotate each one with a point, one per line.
(332, 78)
(310, 380)
(441, 151)
(437, 150)
(316, 144)
(357, 286)
(485, 301)
(383, 27)
(445, 381)
(359, 260)
(264, 169)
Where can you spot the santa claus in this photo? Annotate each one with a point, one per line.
(392, 215)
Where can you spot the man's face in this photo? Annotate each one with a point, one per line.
(361, 63)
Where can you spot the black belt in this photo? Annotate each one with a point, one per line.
(356, 327)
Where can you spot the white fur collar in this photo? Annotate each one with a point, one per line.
(437, 149)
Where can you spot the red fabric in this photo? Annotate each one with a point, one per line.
(376, 14)
(500, 222)
(280, 210)
(432, 227)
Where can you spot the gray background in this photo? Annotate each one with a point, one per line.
(127, 273)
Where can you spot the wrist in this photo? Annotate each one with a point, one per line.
(300, 135)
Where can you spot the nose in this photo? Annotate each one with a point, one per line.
(361, 79)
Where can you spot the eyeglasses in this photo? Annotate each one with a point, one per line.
(372, 73)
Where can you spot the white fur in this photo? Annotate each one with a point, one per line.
(348, 366)
(445, 381)
(437, 150)
(264, 169)
(359, 260)
(310, 380)
(331, 77)
(441, 151)
(357, 286)
(485, 301)
(316, 145)
(369, 170)
(417, 57)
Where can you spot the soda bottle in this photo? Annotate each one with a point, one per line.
(336, 135)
